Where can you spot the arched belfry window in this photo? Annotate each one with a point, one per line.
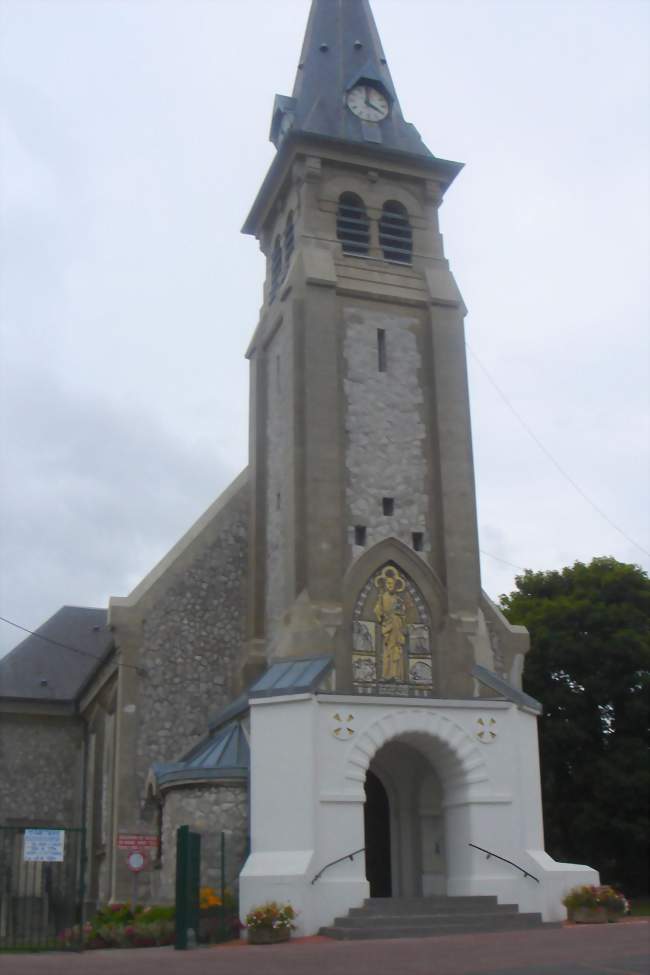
(352, 225)
(392, 638)
(276, 267)
(289, 240)
(395, 234)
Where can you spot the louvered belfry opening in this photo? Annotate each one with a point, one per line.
(395, 234)
(276, 267)
(289, 239)
(352, 225)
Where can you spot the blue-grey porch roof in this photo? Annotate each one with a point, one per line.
(505, 689)
(224, 755)
(292, 677)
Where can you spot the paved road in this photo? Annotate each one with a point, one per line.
(608, 949)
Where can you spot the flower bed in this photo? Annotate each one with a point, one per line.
(123, 926)
(218, 919)
(126, 926)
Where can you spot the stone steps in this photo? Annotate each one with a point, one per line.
(426, 917)
(428, 905)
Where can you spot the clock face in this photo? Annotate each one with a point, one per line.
(368, 103)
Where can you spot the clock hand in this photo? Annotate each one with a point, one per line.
(370, 104)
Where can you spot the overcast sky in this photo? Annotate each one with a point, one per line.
(133, 138)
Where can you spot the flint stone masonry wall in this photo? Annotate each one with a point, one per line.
(386, 454)
(193, 636)
(40, 769)
(208, 810)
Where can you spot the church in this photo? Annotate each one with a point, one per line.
(313, 668)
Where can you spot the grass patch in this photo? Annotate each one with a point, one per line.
(640, 907)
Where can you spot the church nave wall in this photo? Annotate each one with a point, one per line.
(40, 769)
(192, 638)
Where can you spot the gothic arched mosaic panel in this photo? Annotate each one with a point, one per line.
(391, 637)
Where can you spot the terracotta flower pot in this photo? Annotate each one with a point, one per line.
(268, 936)
(590, 915)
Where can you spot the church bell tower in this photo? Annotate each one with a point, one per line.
(389, 736)
(363, 515)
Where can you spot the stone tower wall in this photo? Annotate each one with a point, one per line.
(386, 453)
(278, 482)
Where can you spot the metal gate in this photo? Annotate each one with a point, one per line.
(207, 874)
(41, 887)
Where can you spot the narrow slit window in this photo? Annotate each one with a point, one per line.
(388, 505)
(418, 541)
(289, 240)
(360, 535)
(352, 224)
(395, 234)
(278, 501)
(276, 267)
(381, 350)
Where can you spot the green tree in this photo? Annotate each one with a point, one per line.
(589, 665)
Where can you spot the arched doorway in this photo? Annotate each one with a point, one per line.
(377, 833)
(404, 822)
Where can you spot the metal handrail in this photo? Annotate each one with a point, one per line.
(489, 854)
(348, 856)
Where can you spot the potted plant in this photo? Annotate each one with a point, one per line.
(270, 923)
(590, 904)
(614, 903)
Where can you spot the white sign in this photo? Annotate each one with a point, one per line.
(135, 862)
(44, 845)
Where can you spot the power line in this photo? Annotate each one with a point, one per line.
(505, 561)
(64, 646)
(550, 456)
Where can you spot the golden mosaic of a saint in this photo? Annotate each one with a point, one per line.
(390, 611)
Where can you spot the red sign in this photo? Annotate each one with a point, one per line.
(135, 862)
(136, 841)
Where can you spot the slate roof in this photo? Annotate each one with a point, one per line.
(341, 48)
(40, 670)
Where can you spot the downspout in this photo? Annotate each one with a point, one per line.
(84, 809)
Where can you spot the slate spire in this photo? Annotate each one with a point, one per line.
(342, 49)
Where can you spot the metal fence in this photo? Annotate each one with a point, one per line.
(41, 887)
(207, 882)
